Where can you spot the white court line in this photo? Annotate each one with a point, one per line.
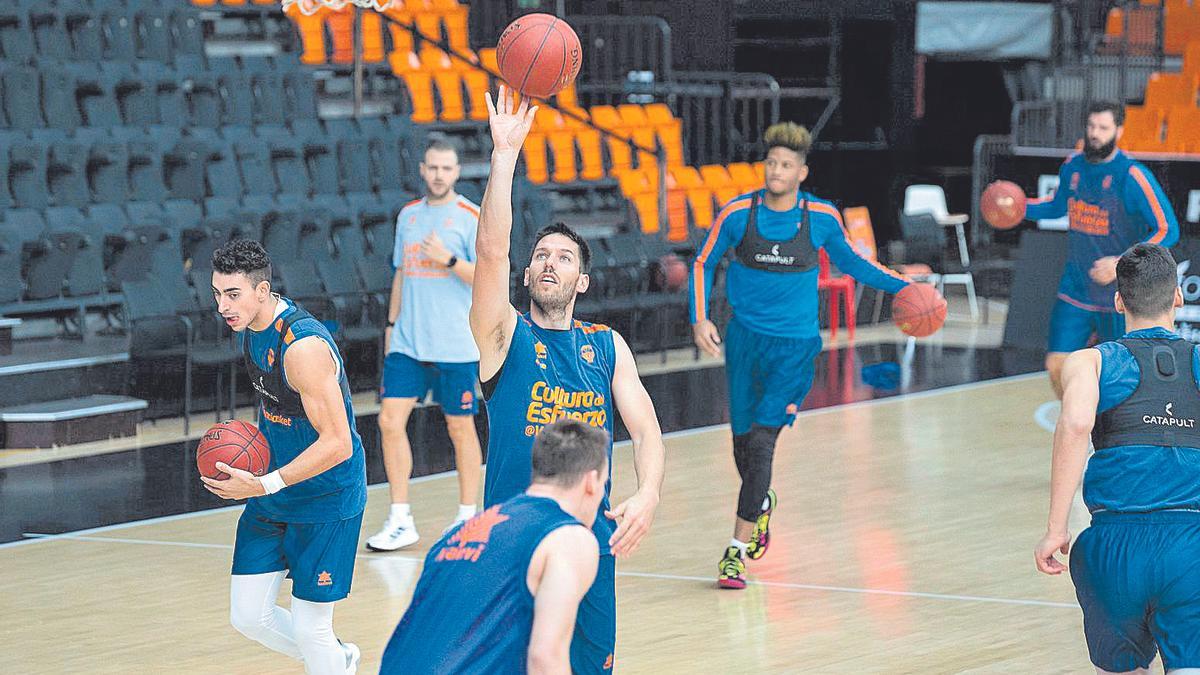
(671, 434)
(868, 591)
(638, 575)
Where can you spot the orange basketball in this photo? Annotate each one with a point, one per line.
(1003, 205)
(236, 443)
(919, 310)
(539, 55)
(672, 273)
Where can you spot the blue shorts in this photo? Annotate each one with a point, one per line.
(594, 644)
(319, 557)
(1137, 577)
(1071, 327)
(453, 384)
(768, 377)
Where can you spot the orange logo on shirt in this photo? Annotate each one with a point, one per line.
(792, 409)
(324, 579)
(539, 354)
(271, 357)
(1107, 183)
(608, 663)
(470, 540)
(467, 397)
(587, 353)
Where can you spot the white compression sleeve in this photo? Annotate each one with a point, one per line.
(253, 612)
(313, 626)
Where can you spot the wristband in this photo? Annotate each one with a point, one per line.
(452, 262)
(272, 482)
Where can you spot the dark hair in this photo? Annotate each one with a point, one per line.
(246, 256)
(566, 450)
(441, 145)
(585, 252)
(1117, 110)
(1146, 280)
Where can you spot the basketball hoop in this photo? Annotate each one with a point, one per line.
(310, 7)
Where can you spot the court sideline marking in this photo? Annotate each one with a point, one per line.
(620, 444)
(637, 575)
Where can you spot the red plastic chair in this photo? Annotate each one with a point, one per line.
(841, 289)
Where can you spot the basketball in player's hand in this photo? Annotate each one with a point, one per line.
(539, 55)
(1003, 205)
(919, 310)
(237, 444)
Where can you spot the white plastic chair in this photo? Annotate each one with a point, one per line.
(931, 199)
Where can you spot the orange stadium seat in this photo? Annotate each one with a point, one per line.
(536, 169)
(562, 146)
(372, 38)
(1183, 129)
(699, 196)
(1143, 129)
(402, 39)
(419, 83)
(1165, 90)
(744, 177)
(312, 35)
(1181, 23)
(1191, 57)
(677, 211)
(717, 179)
(669, 130)
(637, 185)
(429, 26)
(341, 35)
(635, 123)
(233, 3)
(456, 31)
(204, 3)
(448, 83)
(620, 155)
(591, 157)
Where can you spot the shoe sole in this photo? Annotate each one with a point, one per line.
(380, 549)
(731, 584)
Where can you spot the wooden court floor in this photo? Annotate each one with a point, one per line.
(902, 544)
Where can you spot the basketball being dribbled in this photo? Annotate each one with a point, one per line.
(1003, 205)
(672, 273)
(236, 443)
(538, 55)
(919, 310)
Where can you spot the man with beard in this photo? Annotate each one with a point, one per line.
(774, 335)
(544, 366)
(1112, 203)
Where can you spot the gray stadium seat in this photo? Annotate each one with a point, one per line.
(254, 163)
(299, 95)
(287, 166)
(16, 35)
(267, 88)
(108, 166)
(237, 99)
(12, 286)
(84, 30)
(120, 42)
(27, 174)
(49, 32)
(152, 25)
(60, 92)
(23, 96)
(321, 159)
(184, 169)
(186, 31)
(86, 273)
(66, 171)
(6, 199)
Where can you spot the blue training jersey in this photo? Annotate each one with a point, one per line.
(1137, 478)
(547, 375)
(773, 303)
(472, 611)
(335, 494)
(1110, 206)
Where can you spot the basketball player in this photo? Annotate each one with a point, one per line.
(774, 335)
(1112, 202)
(500, 593)
(1137, 568)
(543, 366)
(429, 345)
(302, 519)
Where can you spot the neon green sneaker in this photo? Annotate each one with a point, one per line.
(760, 540)
(732, 570)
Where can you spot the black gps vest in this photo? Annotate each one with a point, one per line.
(276, 396)
(790, 255)
(1165, 407)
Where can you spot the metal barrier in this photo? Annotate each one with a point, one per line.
(614, 46)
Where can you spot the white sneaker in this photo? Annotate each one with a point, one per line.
(396, 534)
(353, 654)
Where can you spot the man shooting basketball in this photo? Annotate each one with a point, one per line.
(774, 336)
(500, 593)
(1138, 398)
(544, 365)
(1112, 202)
(301, 519)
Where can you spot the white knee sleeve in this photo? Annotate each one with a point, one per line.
(253, 612)
(312, 626)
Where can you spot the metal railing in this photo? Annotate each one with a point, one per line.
(614, 46)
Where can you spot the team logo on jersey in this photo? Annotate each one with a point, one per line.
(587, 354)
(608, 662)
(1074, 180)
(261, 388)
(324, 579)
(1169, 420)
(277, 419)
(1106, 183)
(271, 357)
(792, 409)
(471, 539)
(539, 354)
(467, 398)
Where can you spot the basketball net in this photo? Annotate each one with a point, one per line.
(310, 7)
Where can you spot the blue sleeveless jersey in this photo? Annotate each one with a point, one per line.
(335, 494)
(547, 375)
(472, 611)
(1136, 478)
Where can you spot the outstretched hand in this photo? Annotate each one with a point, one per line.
(510, 123)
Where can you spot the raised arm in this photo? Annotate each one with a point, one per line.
(562, 569)
(1081, 393)
(312, 371)
(636, 514)
(492, 314)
